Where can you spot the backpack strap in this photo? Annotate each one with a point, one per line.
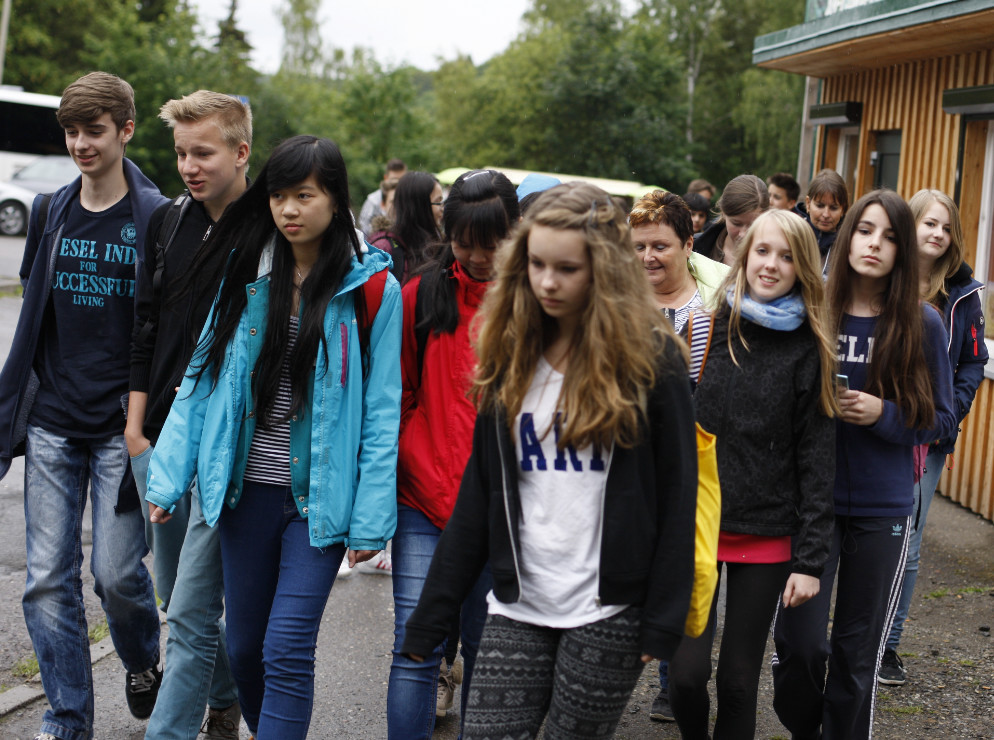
(700, 343)
(43, 204)
(168, 229)
(372, 297)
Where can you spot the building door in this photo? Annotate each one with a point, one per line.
(845, 163)
(886, 160)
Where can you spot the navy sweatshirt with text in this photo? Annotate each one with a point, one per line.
(874, 473)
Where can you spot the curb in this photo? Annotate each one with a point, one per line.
(31, 690)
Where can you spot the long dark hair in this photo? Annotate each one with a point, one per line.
(480, 209)
(246, 229)
(898, 372)
(414, 221)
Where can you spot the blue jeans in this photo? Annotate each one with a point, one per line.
(413, 688)
(197, 670)
(58, 471)
(924, 492)
(276, 586)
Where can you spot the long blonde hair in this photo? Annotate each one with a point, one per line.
(616, 351)
(947, 265)
(807, 267)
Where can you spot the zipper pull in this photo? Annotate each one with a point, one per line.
(597, 600)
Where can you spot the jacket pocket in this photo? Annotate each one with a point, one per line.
(344, 331)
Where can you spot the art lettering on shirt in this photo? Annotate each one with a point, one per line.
(90, 270)
(534, 458)
(855, 349)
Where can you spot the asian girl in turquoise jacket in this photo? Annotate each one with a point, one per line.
(288, 417)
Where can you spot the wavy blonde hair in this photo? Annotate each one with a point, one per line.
(948, 264)
(616, 351)
(807, 267)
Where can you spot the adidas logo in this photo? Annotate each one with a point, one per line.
(896, 530)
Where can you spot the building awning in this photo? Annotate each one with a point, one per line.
(877, 35)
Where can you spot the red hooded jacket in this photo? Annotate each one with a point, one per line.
(437, 417)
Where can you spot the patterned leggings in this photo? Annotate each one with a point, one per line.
(582, 677)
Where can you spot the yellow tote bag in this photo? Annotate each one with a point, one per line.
(708, 490)
(706, 537)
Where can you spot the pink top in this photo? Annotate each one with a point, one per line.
(734, 547)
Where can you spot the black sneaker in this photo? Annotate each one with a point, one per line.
(661, 711)
(892, 671)
(141, 690)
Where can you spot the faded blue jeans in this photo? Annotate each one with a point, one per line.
(58, 474)
(189, 581)
(924, 493)
(413, 687)
(276, 587)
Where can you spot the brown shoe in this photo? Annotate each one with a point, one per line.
(222, 724)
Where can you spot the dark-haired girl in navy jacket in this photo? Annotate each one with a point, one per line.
(895, 392)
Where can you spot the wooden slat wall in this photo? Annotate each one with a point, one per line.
(909, 97)
(969, 482)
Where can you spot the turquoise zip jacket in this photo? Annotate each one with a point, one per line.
(343, 454)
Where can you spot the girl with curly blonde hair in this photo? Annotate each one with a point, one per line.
(581, 487)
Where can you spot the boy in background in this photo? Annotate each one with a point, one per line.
(784, 191)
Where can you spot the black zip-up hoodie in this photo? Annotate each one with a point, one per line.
(160, 357)
(647, 546)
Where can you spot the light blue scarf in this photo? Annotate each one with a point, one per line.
(785, 313)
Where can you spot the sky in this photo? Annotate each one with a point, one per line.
(417, 32)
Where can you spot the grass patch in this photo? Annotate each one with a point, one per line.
(903, 710)
(13, 291)
(943, 660)
(967, 662)
(937, 594)
(974, 590)
(99, 631)
(26, 667)
(908, 655)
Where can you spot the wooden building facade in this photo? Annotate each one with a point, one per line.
(900, 94)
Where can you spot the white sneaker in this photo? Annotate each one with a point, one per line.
(344, 571)
(379, 564)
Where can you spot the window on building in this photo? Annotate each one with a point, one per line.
(886, 159)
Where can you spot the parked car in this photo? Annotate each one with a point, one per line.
(43, 175)
(15, 207)
(46, 174)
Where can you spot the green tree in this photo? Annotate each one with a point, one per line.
(232, 52)
(161, 60)
(47, 41)
(302, 49)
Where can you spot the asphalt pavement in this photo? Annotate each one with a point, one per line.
(11, 251)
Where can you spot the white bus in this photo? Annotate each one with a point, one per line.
(28, 128)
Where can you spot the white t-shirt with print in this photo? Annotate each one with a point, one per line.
(562, 496)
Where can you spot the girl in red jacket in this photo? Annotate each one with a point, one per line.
(436, 428)
(581, 487)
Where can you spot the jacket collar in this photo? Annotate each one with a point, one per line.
(373, 261)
